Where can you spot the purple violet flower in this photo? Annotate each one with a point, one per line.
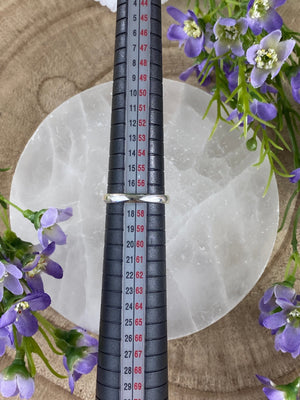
(50, 230)
(296, 176)
(285, 323)
(267, 88)
(209, 36)
(279, 392)
(262, 15)
(20, 314)
(6, 339)
(9, 279)
(268, 57)
(232, 78)
(268, 303)
(82, 358)
(264, 111)
(16, 380)
(198, 69)
(227, 32)
(188, 32)
(295, 83)
(41, 263)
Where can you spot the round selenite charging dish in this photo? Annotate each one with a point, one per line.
(220, 229)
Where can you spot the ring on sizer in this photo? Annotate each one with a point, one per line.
(135, 198)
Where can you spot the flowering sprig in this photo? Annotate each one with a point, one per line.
(22, 297)
(249, 61)
(245, 61)
(280, 392)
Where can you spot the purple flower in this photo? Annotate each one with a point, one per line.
(285, 323)
(262, 15)
(264, 111)
(279, 392)
(21, 316)
(198, 69)
(9, 279)
(232, 78)
(41, 263)
(267, 88)
(16, 380)
(49, 229)
(6, 339)
(268, 303)
(82, 358)
(295, 83)
(296, 176)
(228, 32)
(268, 57)
(209, 36)
(188, 32)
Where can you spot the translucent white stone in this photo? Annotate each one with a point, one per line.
(220, 230)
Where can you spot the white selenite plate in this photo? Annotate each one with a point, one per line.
(220, 230)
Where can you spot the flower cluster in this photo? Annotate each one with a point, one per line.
(280, 392)
(243, 60)
(280, 312)
(248, 60)
(22, 297)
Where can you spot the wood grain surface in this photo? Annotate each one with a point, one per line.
(51, 50)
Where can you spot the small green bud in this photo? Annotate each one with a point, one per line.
(251, 144)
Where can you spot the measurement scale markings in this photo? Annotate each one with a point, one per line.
(138, 242)
(133, 327)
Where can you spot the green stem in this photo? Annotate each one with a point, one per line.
(49, 342)
(286, 112)
(287, 269)
(4, 218)
(294, 239)
(20, 353)
(287, 208)
(47, 325)
(16, 339)
(11, 204)
(293, 139)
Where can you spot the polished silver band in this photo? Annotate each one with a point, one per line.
(135, 198)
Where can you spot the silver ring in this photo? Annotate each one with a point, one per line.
(135, 198)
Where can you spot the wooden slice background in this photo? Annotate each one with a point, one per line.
(51, 50)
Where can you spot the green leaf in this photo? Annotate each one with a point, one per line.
(269, 181)
(9, 299)
(287, 208)
(29, 357)
(11, 238)
(32, 346)
(8, 252)
(3, 204)
(49, 342)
